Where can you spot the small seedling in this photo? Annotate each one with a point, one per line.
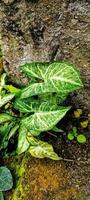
(81, 138)
(74, 134)
(70, 136)
(75, 131)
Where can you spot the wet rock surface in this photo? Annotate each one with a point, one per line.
(46, 30)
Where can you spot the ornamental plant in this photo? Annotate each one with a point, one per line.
(39, 106)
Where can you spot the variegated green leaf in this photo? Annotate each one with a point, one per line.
(35, 70)
(6, 99)
(23, 143)
(22, 106)
(34, 106)
(44, 121)
(40, 149)
(5, 118)
(59, 77)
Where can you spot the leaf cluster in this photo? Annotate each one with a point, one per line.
(74, 134)
(39, 106)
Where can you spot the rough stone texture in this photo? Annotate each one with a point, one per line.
(46, 30)
(48, 180)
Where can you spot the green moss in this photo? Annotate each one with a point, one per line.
(81, 196)
(35, 176)
(19, 192)
(20, 169)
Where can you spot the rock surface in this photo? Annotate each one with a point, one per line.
(44, 179)
(46, 30)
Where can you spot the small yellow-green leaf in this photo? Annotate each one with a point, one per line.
(42, 149)
(12, 89)
(81, 138)
(70, 136)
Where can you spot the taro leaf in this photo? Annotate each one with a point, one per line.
(1, 196)
(6, 181)
(23, 144)
(58, 77)
(40, 149)
(5, 118)
(6, 99)
(34, 106)
(12, 89)
(44, 121)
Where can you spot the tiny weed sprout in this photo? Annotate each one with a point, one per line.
(29, 111)
(74, 134)
(81, 139)
(70, 136)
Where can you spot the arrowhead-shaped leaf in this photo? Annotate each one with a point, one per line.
(59, 77)
(40, 149)
(6, 181)
(44, 121)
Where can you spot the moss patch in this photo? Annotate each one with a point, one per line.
(42, 180)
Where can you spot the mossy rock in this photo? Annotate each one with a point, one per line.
(40, 179)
